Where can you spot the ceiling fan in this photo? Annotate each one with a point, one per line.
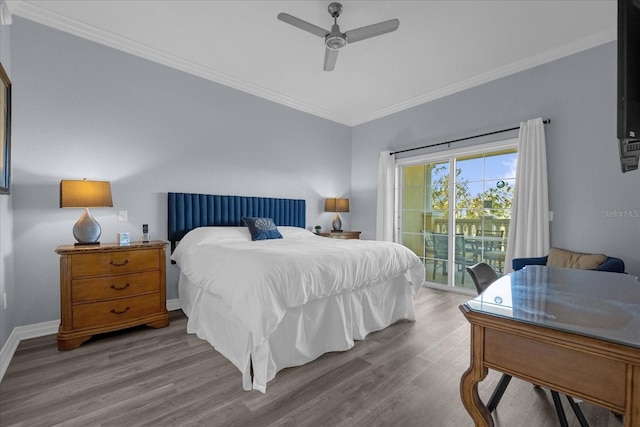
(334, 39)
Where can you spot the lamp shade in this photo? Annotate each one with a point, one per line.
(336, 205)
(85, 194)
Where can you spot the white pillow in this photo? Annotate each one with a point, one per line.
(203, 235)
(206, 235)
(294, 232)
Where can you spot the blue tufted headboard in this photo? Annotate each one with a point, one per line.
(188, 211)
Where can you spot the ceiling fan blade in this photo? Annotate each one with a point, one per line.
(303, 25)
(330, 56)
(372, 30)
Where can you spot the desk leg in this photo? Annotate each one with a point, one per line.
(469, 382)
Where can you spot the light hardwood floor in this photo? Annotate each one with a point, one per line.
(405, 375)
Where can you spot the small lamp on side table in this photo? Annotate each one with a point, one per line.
(86, 194)
(336, 205)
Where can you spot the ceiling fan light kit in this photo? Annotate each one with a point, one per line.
(335, 39)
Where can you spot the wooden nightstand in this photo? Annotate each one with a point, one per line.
(108, 287)
(341, 234)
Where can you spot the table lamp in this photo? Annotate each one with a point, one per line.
(336, 205)
(86, 194)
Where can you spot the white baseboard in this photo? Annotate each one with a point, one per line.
(7, 351)
(20, 333)
(173, 304)
(26, 332)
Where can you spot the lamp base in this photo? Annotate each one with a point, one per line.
(86, 244)
(87, 230)
(337, 223)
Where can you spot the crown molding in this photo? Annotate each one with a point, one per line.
(42, 16)
(5, 14)
(515, 67)
(71, 26)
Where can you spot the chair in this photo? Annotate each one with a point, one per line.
(613, 265)
(483, 275)
(428, 244)
(493, 250)
(491, 245)
(441, 252)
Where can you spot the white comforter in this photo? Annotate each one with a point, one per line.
(258, 280)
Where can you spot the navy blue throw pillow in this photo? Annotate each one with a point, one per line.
(262, 228)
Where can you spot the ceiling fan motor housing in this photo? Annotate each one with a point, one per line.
(335, 39)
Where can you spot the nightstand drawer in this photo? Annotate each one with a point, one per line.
(115, 311)
(114, 262)
(117, 286)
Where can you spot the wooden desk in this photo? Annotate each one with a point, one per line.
(574, 331)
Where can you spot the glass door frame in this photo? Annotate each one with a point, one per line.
(449, 156)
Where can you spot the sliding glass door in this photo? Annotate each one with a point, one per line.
(455, 209)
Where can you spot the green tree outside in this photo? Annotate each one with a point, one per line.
(496, 201)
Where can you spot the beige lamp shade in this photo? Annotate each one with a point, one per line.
(336, 205)
(85, 194)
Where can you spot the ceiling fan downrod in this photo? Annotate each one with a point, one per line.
(335, 39)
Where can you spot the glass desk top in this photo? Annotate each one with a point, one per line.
(598, 304)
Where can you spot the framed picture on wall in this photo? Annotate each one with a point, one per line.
(5, 132)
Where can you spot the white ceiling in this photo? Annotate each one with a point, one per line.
(440, 48)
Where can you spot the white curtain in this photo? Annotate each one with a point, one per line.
(529, 226)
(386, 196)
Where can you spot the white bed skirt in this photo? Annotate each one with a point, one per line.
(305, 333)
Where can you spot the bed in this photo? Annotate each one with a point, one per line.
(271, 304)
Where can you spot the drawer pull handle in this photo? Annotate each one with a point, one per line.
(115, 264)
(113, 310)
(120, 289)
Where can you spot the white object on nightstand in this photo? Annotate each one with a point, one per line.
(124, 239)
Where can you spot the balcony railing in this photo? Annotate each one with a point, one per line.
(493, 254)
(471, 227)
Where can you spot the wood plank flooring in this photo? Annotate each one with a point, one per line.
(405, 375)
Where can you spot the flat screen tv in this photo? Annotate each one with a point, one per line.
(629, 83)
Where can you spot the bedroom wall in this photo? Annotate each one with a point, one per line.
(596, 207)
(7, 282)
(85, 110)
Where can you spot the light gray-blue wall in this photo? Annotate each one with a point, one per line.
(596, 207)
(85, 110)
(7, 282)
